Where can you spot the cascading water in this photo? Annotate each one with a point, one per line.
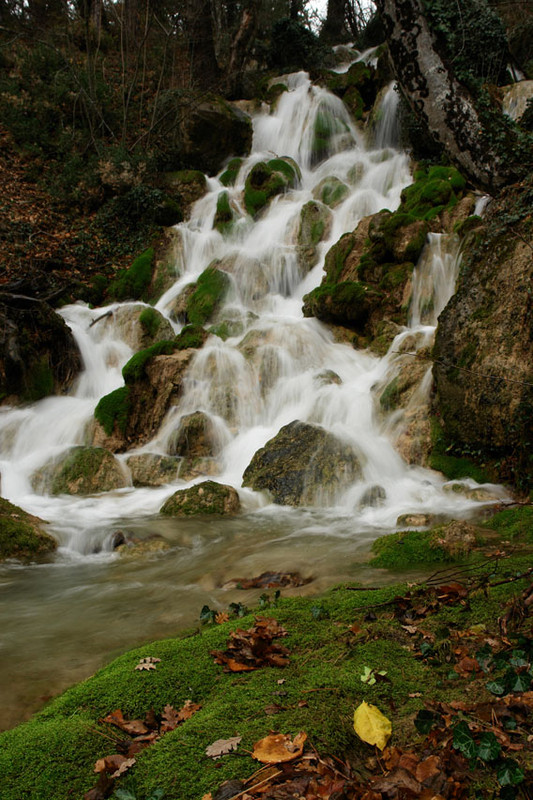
(249, 386)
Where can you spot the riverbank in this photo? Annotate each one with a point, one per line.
(404, 649)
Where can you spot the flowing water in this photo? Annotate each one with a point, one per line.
(60, 620)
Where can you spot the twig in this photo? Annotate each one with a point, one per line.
(102, 316)
(256, 786)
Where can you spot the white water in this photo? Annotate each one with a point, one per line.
(251, 385)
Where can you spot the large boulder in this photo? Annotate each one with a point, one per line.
(314, 227)
(267, 179)
(186, 186)
(303, 465)
(208, 497)
(38, 353)
(483, 366)
(81, 470)
(138, 326)
(22, 535)
(195, 437)
(212, 132)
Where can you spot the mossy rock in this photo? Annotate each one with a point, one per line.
(331, 191)
(268, 179)
(224, 216)
(134, 369)
(81, 470)
(22, 535)
(213, 131)
(195, 437)
(208, 497)
(191, 336)
(435, 189)
(229, 176)
(301, 465)
(153, 469)
(348, 303)
(168, 212)
(113, 409)
(315, 225)
(133, 283)
(211, 289)
(186, 186)
(138, 327)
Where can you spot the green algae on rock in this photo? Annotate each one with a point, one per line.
(208, 497)
(81, 470)
(21, 534)
(268, 179)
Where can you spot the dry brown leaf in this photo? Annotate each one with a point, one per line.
(222, 746)
(124, 767)
(427, 769)
(279, 747)
(109, 763)
(135, 727)
(221, 617)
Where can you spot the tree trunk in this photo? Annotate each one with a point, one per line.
(203, 65)
(436, 96)
(333, 30)
(240, 47)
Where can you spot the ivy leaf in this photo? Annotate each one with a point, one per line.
(509, 773)
(489, 747)
(207, 615)
(463, 740)
(519, 659)
(496, 687)
(425, 720)
(520, 682)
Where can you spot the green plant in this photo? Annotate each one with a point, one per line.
(132, 284)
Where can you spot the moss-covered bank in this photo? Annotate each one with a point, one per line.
(332, 641)
(22, 535)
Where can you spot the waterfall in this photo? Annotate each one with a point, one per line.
(387, 129)
(275, 367)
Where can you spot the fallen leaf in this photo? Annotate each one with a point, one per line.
(222, 746)
(221, 617)
(427, 769)
(109, 763)
(371, 725)
(272, 709)
(269, 580)
(254, 648)
(279, 747)
(124, 767)
(147, 663)
(134, 727)
(102, 790)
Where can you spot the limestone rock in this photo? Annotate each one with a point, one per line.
(80, 470)
(373, 497)
(315, 226)
(38, 353)
(192, 468)
(195, 438)
(458, 537)
(22, 535)
(153, 469)
(208, 497)
(303, 465)
(415, 520)
(178, 310)
(138, 326)
(331, 191)
(139, 548)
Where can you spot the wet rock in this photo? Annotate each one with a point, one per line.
(214, 131)
(373, 497)
(38, 354)
(80, 470)
(22, 536)
(415, 520)
(327, 378)
(479, 493)
(249, 274)
(315, 226)
(178, 309)
(196, 437)
(130, 416)
(225, 214)
(138, 326)
(229, 176)
(303, 465)
(483, 367)
(331, 191)
(204, 498)
(143, 547)
(208, 296)
(153, 469)
(268, 179)
(168, 261)
(268, 580)
(192, 468)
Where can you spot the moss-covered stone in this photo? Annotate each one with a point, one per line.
(229, 176)
(266, 180)
(153, 469)
(213, 131)
(315, 225)
(113, 409)
(224, 216)
(327, 128)
(191, 336)
(168, 212)
(211, 289)
(434, 190)
(348, 303)
(208, 497)
(81, 470)
(133, 283)
(150, 320)
(331, 191)
(22, 535)
(303, 464)
(134, 369)
(195, 437)
(186, 186)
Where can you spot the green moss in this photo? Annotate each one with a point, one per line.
(134, 369)
(452, 466)
(434, 190)
(132, 284)
(150, 321)
(326, 127)
(114, 408)
(223, 221)
(390, 398)
(190, 336)
(81, 463)
(513, 523)
(265, 180)
(403, 550)
(229, 176)
(187, 176)
(20, 534)
(336, 257)
(288, 167)
(41, 381)
(211, 289)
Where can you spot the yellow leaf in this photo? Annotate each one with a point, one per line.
(371, 725)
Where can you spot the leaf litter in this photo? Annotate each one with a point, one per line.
(254, 648)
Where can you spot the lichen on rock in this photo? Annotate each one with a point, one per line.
(208, 497)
